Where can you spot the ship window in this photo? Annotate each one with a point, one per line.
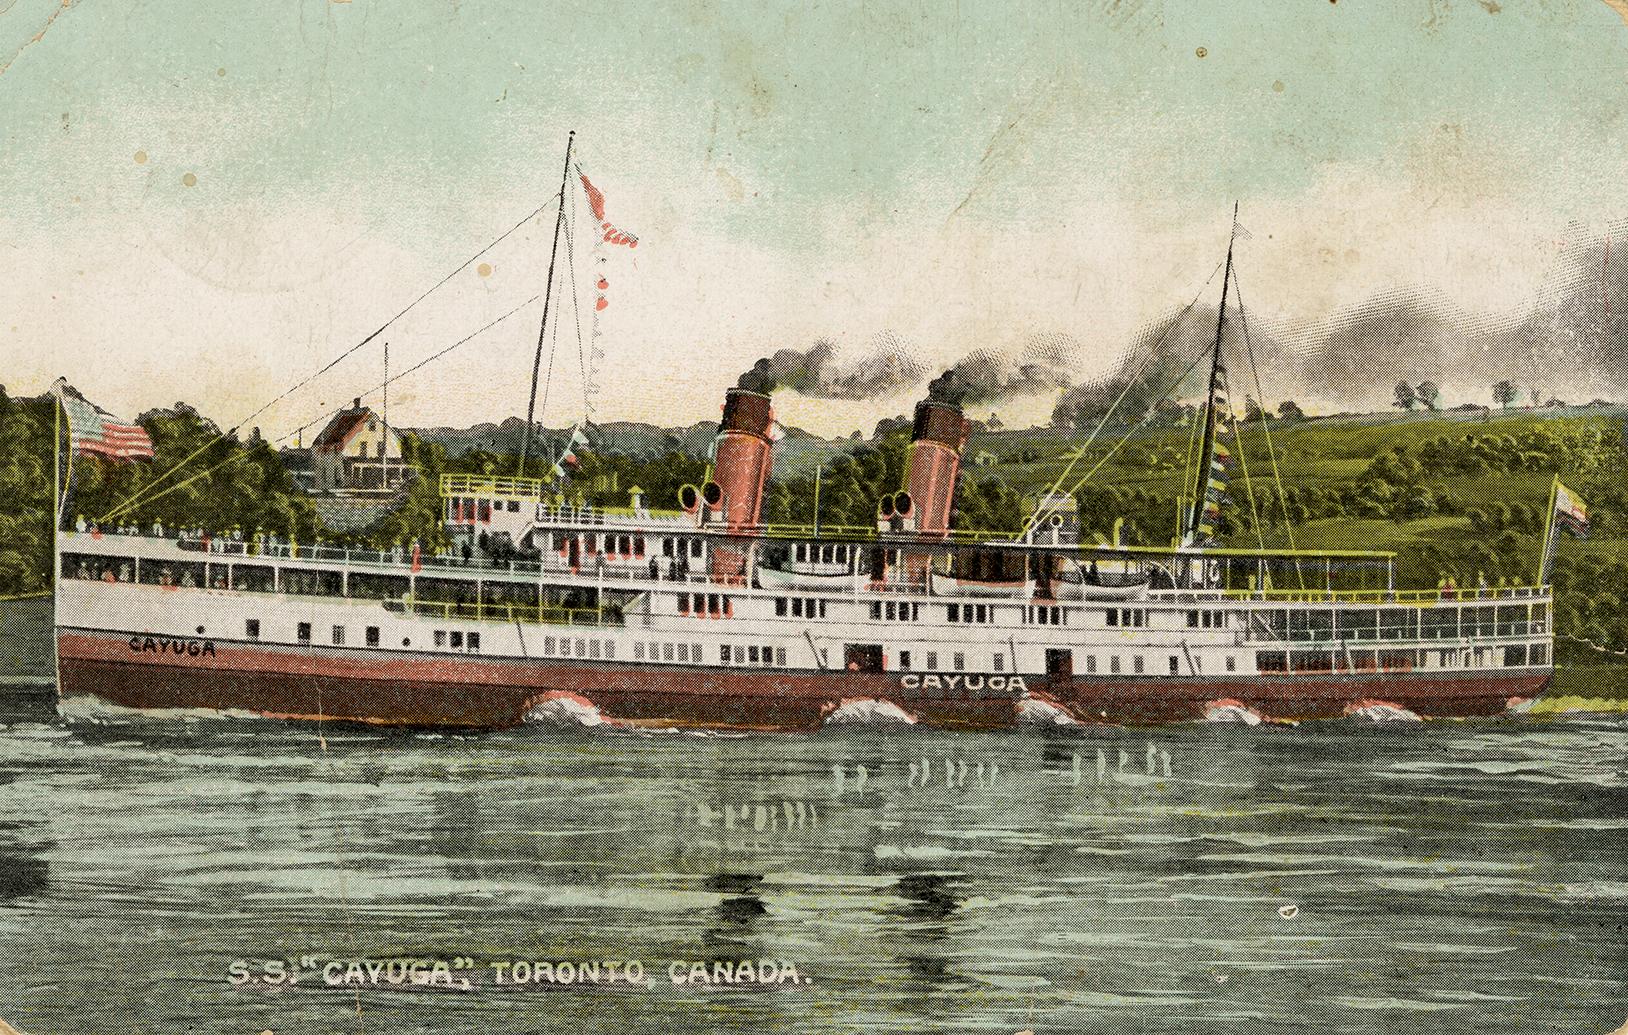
(751, 654)
(932, 661)
(876, 611)
(695, 547)
(695, 652)
(486, 510)
(904, 661)
(514, 506)
(780, 656)
(780, 607)
(740, 654)
(1139, 664)
(1537, 654)
(683, 652)
(960, 661)
(723, 653)
(440, 637)
(683, 603)
(1515, 655)
(1311, 661)
(593, 648)
(372, 636)
(638, 651)
(1192, 622)
(251, 628)
(457, 640)
(1113, 664)
(1271, 661)
(474, 641)
(304, 632)
(1232, 663)
(1113, 617)
(579, 648)
(1091, 663)
(1000, 662)
(548, 644)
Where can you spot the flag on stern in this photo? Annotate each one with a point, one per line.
(92, 429)
(1571, 512)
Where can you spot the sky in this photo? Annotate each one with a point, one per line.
(209, 202)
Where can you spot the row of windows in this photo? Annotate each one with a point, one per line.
(610, 543)
(1036, 614)
(1127, 617)
(370, 635)
(681, 547)
(821, 553)
(971, 613)
(1512, 656)
(894, 611)
(751, 654)
(1206, 619)
(680, 652)
(1139, 665)
(799, 607)
(710, 605)
(577, 647)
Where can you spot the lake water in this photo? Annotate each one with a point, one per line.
(1437, 877)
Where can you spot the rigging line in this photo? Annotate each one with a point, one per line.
(1152, 410)
(548, 293)
(126, 507)
(576, 299)
(1153, 351)
(141, 493)
(1271, 450)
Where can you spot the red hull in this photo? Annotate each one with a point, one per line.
(375, 686)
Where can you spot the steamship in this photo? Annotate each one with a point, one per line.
(705, 616)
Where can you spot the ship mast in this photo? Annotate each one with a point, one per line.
(1201, 478)
(548, 292)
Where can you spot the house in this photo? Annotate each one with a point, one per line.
(357, 452)
(984, 458)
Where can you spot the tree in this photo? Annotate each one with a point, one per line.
(1505, 392)
(1406, 399)
(1289, 410)
(1427, 392)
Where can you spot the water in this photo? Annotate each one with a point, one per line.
(1435, 877)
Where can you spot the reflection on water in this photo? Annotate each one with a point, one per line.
(1457, 877)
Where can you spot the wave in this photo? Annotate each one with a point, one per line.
(1381, 711)
(1228, 709)
(561, 708)
(1039, 711)
(869, 711)
(95, 710)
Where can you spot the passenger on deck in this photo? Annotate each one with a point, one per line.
(79, 523)
(107, 575)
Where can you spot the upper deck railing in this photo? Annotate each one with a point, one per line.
(636, 574)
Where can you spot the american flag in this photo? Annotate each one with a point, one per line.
(93, 430)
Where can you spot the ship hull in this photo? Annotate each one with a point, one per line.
(400, 688)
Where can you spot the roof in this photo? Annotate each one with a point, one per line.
(340, 429)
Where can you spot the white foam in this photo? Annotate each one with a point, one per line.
(1231, 711)
(92, 709)
(1382, 711)
(869, 711)
(566, 710)
(1037, 712)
